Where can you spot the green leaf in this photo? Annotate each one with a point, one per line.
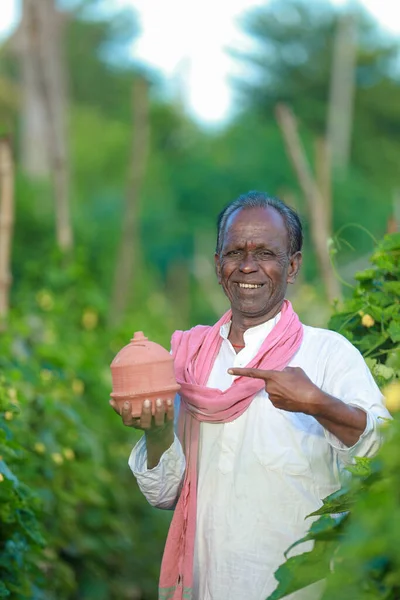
(390, 242)
(303, 570)
(4, 470)
(338, 502)
(394, 331)
(366, 275)
(345, 319)
(28, 522)
(323, 529)
(391, 287)
(371, 341)
(361, 468)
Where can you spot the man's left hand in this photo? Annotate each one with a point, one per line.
(289, 389)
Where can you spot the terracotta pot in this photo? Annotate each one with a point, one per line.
(142, 370)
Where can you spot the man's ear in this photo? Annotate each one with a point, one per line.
(217, 267)
(294, 266)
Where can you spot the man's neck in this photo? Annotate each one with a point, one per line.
(241, 323)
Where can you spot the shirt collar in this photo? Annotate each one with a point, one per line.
(253, 335)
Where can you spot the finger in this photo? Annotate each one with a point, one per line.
(145, 417)
(170, 410)
(126, 413)
(159, 415)
(257, 373)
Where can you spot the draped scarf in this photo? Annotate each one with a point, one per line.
(194, 352)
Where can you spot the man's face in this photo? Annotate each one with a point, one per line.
(254, 266)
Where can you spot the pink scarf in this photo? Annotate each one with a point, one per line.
(194, 354)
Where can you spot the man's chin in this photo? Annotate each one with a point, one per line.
(257, 312)
(251, 312)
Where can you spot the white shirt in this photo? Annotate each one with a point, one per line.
(262, 474)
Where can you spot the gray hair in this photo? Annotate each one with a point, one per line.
(256, 199)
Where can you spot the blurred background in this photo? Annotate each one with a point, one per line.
(126, 126)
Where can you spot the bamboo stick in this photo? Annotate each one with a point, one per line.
(43, 25)
(129, 252)
(6, 223)
(341, 95)
(318, 208)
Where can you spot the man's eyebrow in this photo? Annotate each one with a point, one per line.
(260, 245)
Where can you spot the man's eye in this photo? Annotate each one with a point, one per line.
(264, 254)
(233, 253)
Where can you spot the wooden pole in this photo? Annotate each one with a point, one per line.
(341, 100)
(6, 223)
(318, 206)
(24, 44)
(178, 291)
(42, 28)
(204, 273)
(393, 224)
(128, 257)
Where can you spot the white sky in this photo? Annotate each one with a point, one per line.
(187, 40)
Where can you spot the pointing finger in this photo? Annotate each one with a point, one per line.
(256, 373)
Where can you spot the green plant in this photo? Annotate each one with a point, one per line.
(358, 527)
(73, 521)
(21, 539)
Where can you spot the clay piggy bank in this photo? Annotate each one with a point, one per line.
(142, 370)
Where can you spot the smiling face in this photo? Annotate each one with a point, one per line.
(254, 265)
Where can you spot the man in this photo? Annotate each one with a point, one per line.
(271, 411)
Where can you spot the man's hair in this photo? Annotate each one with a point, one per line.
(256, 199)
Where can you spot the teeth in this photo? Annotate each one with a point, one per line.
(250, 285)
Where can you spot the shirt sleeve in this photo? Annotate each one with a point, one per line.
(349, 379)
(162, 484)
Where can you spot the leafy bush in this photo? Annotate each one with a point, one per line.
(357, 533)
(20, 536)
(73, 521)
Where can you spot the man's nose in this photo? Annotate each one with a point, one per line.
(248, 264)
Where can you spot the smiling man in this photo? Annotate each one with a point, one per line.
(270, 412)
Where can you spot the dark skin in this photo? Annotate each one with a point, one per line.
(255, 251)
(158, 427)
(293, 391)
(254, 268)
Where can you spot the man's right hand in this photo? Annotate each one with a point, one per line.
(158, 428)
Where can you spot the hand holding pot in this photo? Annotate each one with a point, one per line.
(144, 389)
(147, 422)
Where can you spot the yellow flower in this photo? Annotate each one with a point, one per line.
(40, 448)
(8, 415)
(1, 477)
(367, 321)
(69, 453)
(46, 375)
(45, 300)
(78, 386)
(90, 319)
(392, 396)
(57, 458)
(49, 336)
(12, 394)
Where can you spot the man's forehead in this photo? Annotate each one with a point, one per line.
(255, 222)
